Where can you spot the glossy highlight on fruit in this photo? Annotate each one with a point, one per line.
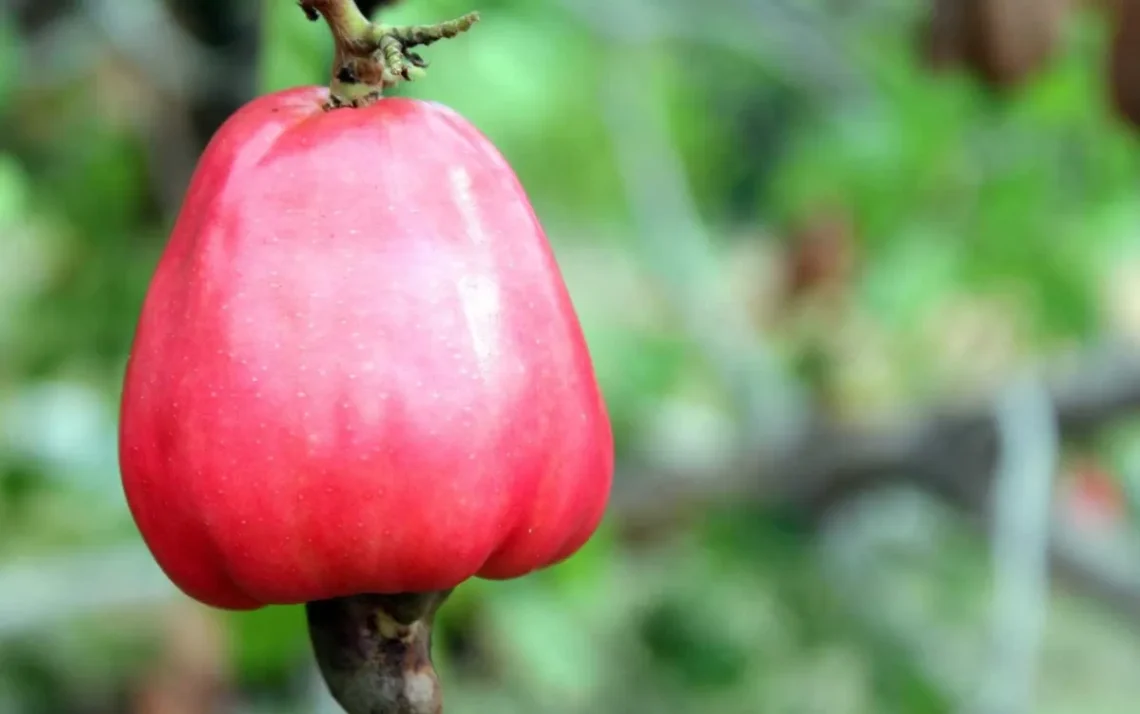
(357, 368)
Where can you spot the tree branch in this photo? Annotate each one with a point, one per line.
(949, 452)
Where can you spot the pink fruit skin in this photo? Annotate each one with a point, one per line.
(357, 368)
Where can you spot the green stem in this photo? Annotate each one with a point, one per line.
(374, 651)
(371, 58)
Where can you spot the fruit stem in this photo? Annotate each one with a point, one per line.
(374, 651)
(371, 57)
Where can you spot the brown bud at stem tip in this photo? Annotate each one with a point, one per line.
(374, 651)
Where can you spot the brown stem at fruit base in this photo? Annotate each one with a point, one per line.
(372, 57)
(374, 651)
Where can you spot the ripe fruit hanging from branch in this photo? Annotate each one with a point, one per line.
(358, 379)
(1001, 42)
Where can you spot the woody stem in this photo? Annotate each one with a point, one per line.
(371, 57)
(374, 651)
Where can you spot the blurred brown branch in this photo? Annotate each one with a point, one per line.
(950, 452)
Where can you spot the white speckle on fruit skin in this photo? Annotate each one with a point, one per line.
(478, 294)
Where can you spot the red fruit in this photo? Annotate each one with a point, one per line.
(357, 368)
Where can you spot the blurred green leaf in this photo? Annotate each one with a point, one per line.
(269, 643)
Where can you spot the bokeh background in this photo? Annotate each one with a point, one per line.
(861, 280)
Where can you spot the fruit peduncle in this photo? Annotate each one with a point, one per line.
(373, 57)
(374, 651)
